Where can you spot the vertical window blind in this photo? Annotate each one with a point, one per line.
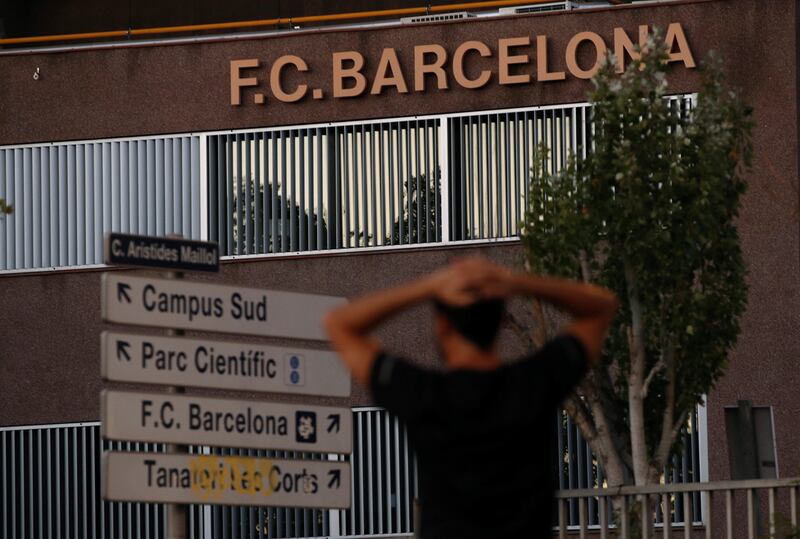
(65, 197)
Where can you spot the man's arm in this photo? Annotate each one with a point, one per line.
(349, 326)
(591, 307)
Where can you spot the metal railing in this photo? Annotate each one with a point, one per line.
(660, 501)
(50, 486)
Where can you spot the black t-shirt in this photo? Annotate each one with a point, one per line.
(484, 439)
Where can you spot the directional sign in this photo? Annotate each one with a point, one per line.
(223, 365)
(180, 419)
(158, 252)
(200, 306)
(210, 479)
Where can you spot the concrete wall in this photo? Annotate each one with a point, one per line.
(146, 90)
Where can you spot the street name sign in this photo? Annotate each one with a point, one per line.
(181, 419)
(227, 480)
(221, 364)
(178, 304)
(158, 252)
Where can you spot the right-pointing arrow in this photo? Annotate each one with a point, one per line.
(122, 351)
(334, 422)
(336, 477)
(122, 292)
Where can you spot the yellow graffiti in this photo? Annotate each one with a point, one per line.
(212, 476)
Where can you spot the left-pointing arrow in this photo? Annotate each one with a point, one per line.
(122, 351)
(335, 478)
(122, 292)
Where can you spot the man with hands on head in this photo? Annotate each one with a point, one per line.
(483, 430)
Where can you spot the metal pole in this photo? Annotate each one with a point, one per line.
(176, 513)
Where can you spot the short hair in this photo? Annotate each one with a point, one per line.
(477, 322)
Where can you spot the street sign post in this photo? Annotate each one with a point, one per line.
(222, 365)
(175, 254)
(179, 420)
(226, 480)
(182, 419)
(201, 306)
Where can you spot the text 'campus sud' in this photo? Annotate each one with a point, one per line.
(196, 306)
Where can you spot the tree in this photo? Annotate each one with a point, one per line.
(418, 220)
(650, 213)
(280, 216)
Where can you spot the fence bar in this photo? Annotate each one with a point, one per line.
(562, 519)
(382, 492)
(793, 504)
(707, 517)
(603, 510)
(751, 516)
(361, 467)
(398, 514)
(729, 513)
(666, 510)
(582, 517)
(407, 483)
(687, 515)
(369, 489)
(771, 516)
(623, 511)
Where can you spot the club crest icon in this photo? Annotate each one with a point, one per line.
(306, 427)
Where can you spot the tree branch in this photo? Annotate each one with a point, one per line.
(576, 409)
(667, 430)
(641, 462)
(586, 271)
(540, 335)
(535, 336)
(658, 367)
(519, 328)
(664, 449)
(602, 400)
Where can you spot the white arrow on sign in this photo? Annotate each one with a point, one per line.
(221, 364)
(181, 419)
(201, 306)
(211, 479)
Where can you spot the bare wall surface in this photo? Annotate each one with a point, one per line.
(49, 324)
(761, 60)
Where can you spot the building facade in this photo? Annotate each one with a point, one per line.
(339, 160)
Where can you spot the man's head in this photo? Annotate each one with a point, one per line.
(477, 323)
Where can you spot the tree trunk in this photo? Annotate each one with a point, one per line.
(636, 375)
